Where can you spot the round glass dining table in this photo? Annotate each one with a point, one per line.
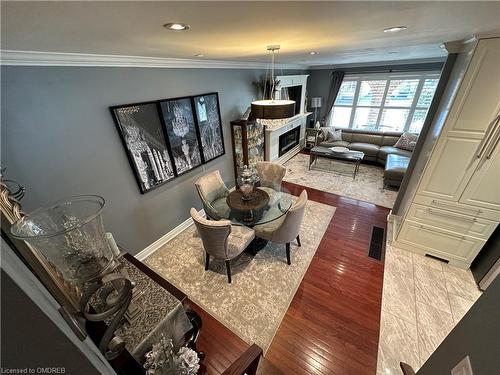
(266, 205)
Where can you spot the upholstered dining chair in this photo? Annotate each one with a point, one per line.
(222, 240)
(285, 229)
(270, 174)
(213, 193)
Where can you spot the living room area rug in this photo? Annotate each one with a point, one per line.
(333, 176)
(263, 285)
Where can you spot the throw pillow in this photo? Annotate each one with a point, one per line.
(407, 141)
(334, 135)
(323, 134)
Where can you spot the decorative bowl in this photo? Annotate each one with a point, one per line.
(339, 149)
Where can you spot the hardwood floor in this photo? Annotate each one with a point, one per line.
(332, 324)
(221, 346)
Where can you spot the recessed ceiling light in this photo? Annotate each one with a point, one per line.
(199, 55)
(394, 29)
(392, 52)
(313, 53)
(177, 26)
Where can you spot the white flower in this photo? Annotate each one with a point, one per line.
(188, 357)
(187, 361)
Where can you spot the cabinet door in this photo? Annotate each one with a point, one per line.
(452, 164)
(483, 189)
(468, 126)
(477, 100)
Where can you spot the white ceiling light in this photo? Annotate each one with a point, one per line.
(313, 53)
(177, 26)
(199, 55)
(394, 29)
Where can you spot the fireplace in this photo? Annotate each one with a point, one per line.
(289, 140)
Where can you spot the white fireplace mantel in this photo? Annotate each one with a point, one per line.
(280, 127)
(273, 134)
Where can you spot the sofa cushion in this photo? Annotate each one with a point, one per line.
(386, 150)
(390, 138)
(368, 148)
(334, 144)
(407, 141)
(329, 134)
(334, 136)
(372, 138)
(347, 135)
(395, 169)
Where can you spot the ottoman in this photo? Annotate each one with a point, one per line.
(395, 169)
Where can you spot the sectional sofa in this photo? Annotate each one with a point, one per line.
(377, 146)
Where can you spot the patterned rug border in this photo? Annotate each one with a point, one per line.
(235, 330)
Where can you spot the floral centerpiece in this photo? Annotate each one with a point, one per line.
(163, 360)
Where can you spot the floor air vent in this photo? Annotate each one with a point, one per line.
(377, 243)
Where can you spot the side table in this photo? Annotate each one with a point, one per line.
(311, 136)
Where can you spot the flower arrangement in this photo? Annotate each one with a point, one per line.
(162, 360)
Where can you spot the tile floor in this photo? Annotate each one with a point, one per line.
(422, 300)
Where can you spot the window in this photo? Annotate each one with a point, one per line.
(385, 102)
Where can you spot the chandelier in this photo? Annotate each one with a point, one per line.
(180, 124)
(272, 108)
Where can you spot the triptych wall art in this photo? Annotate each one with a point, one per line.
(166, 138)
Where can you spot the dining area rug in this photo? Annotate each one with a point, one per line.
(263, 285)
(333, 176)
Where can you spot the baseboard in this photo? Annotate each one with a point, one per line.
(394, 222)
(151, 249)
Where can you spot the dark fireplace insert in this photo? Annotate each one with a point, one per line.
(289, 140)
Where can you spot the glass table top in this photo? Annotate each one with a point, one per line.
(328, 152)
(257, 210)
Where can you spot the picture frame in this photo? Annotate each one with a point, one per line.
(208, 118)
(141, 132)
(181, 132)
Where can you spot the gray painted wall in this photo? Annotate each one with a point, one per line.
(476, 335)
(59, 139)
(318, 85)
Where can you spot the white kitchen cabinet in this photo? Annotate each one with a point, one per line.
(483, 189)
(456, 206)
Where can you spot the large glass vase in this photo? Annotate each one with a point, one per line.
(70, 234)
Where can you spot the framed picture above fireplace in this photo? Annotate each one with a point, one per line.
(209, 125)
(141, 132)
(182, 133)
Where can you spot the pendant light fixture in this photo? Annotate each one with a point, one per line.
(272, 109)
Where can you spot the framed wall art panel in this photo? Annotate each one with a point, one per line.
(182, 133)
(141, 131)
(210, 125)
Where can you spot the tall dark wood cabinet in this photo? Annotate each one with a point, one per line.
(248, 140)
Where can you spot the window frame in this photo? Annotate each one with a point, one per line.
(388, 77)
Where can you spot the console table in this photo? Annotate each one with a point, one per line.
(155, 305)
(245, 357)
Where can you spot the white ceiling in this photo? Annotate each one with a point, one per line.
(342, 32)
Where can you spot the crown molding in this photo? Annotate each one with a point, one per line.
(427, 60)
(495, 33)
(39, 58)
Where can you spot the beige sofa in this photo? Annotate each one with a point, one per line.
(377, 146)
